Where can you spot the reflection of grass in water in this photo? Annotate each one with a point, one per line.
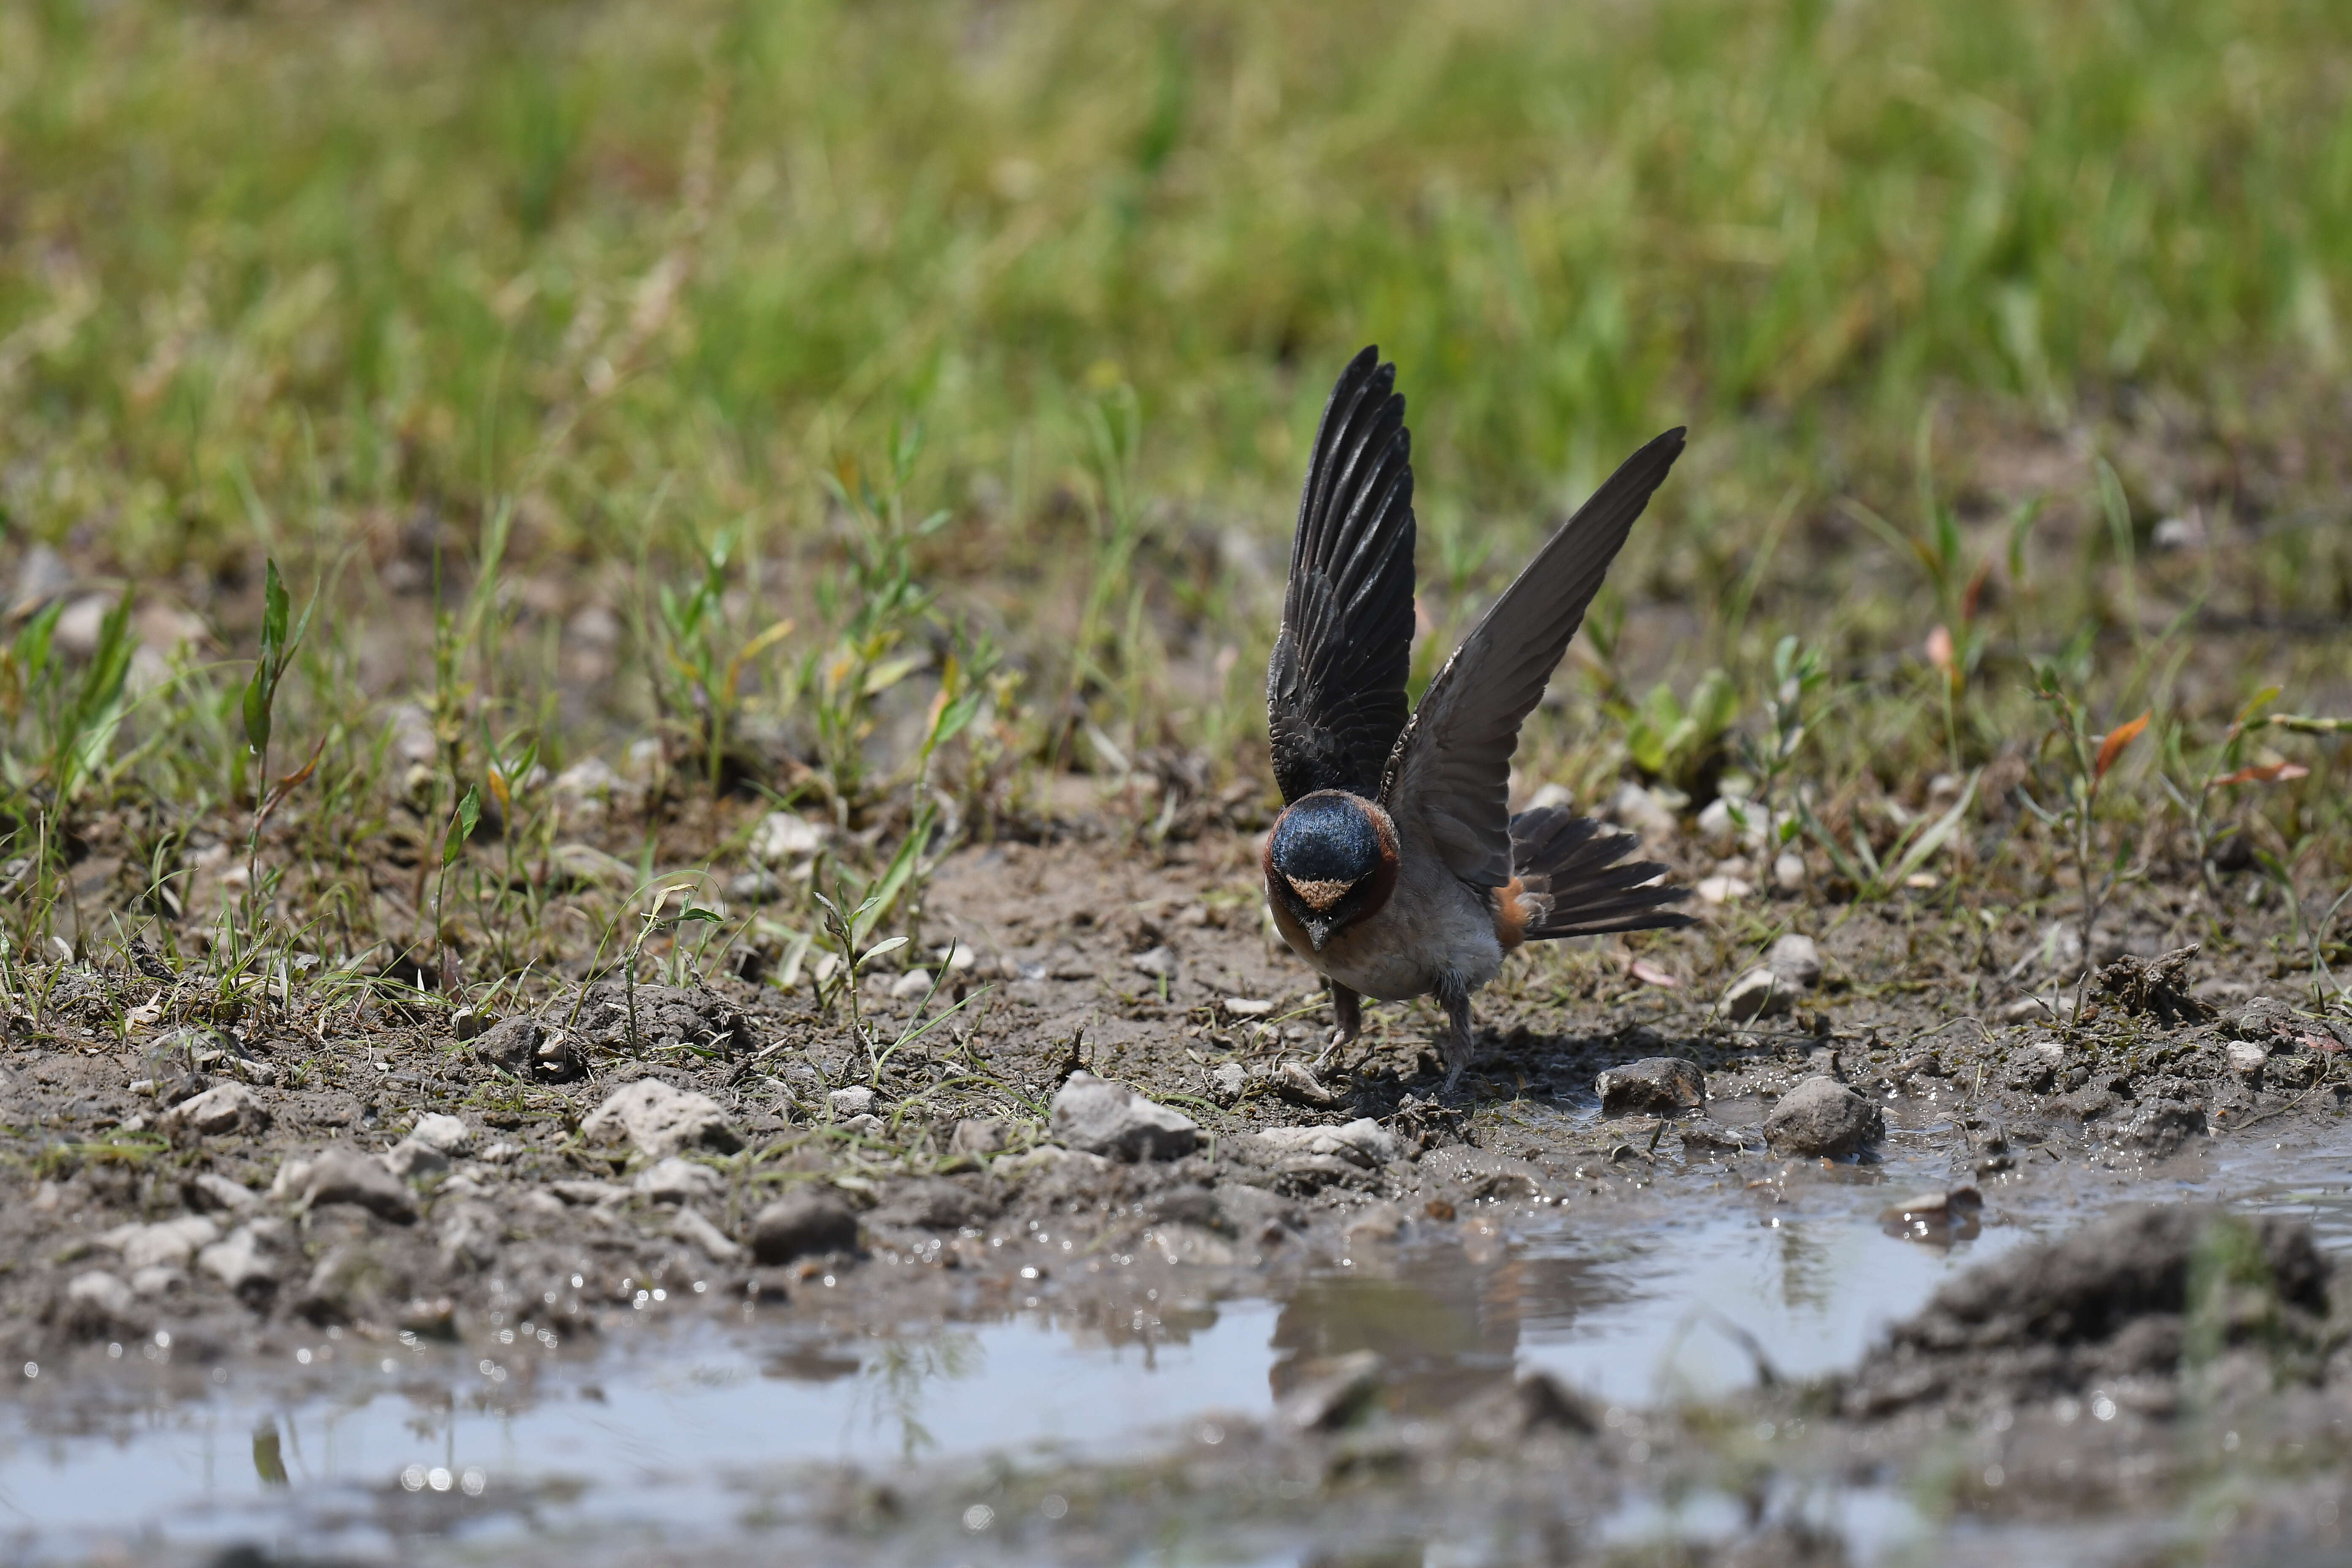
(894, 1379)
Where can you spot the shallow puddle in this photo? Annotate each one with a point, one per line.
(695, 1433)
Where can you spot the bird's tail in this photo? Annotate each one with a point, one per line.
(1574, 879)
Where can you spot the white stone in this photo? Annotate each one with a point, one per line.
(1754, 994)
(659, 1121)
(677, 1181)
(692, 1228)
(410, 1159)
(223, 1107)
(785, 836)
(1637, 808)
(1159, 962)
(1722, 889)
(168, 1243)
(446, 1134)
(915, 982)
(103, 1291)
(1789, 871)
(855, 1100)
(1098, 1117)
(1797, 959)
(1362, 1143)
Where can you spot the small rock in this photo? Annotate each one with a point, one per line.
(471, 1234)
(698, 1233)
(659, 1121)
(676, 1181)
(978, 1137)
(1796, 959)
(1754, 994)
(2160, 1126)
(1939, 1217)
(1227, 1083)
(915, 982)
(245, 1260)
(1639, 809)
(225, 1108)
(170, 1243)
(1098, 1117)
(1727, 824)
(98, 1301)
(866, 1126)
(347, 1176)
(531, 1049)
(443, 1132)
(783, 835)
(2247, 1058)
(412, 1161)
(207, 1190)
(1822, 1116)
(1363, 1143)
(1159, 962)
(855, 1100)
(1660, 1086)
(1334, 1394)
(469, 1023)
(1789, 871)
(757, 886)
(1246, 1007)
(1722, 889)
(592, 1194)
(1296, 1083)
(802, 1223)
(1382, 1221)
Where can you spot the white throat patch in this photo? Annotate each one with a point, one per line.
(1319, 896)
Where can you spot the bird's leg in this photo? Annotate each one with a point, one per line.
(1348, 1010)
(1455, 998)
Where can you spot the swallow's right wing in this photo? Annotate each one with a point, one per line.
(1334, 702)
(1449, 782)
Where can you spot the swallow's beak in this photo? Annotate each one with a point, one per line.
(1319, 932)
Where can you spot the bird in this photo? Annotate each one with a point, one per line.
(1396, 869)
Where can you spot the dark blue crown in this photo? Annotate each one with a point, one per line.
(1327, 837)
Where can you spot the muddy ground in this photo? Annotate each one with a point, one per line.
(199, 1191)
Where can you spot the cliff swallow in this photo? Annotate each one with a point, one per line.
(1396, 869)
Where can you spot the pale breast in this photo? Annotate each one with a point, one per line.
(1432, 925)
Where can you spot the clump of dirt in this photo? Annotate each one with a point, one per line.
(2111, 1303)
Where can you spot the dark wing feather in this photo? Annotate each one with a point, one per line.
(1450, 774)
(1335, 698)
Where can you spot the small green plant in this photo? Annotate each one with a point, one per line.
(1798, 672)
(700, 660)
(1877, 876)
(2087, 759)
(1679, 741)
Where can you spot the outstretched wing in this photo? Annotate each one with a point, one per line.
(1335, 697)
(1450, 774)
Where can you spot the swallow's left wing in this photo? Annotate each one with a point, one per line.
(1335, 687)
(1449, 778)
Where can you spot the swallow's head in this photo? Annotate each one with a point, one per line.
(1330, 861)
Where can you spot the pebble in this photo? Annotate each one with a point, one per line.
(1096, 1116)
(1363, 1143)
(855, 1100)
(802, 1223)
(915, 982)
(1658, 1086)
(659, 1121)
(100, 1296)
(697, 1232)
(1754, 994)
(1789, 871)
(1159, 962)
(411, 1161)
(1227, 1083)
(170, 1243)
(245, 1260)
(223, 1107)
(347, 1176)
(676, 1181)
(1723, 889)
(220, 1192)
(528, 1048)
(1822, 1116)
(785, 836)
(1639, 809)
(1297, 1082)
(2247, 1058)
(978, 1137)
(443, 1132)
(1246, 1007)
(1797, 959)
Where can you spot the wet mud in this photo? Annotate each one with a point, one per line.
(639, 1268)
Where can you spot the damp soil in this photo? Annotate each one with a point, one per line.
(1507, 1325)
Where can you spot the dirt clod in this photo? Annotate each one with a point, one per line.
(802, 1224)
(1656, 1086)
(1098, 1117)
(659, 1119)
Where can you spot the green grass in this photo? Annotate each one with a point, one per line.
(982, 344)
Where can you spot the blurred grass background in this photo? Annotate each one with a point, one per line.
(334, 282)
